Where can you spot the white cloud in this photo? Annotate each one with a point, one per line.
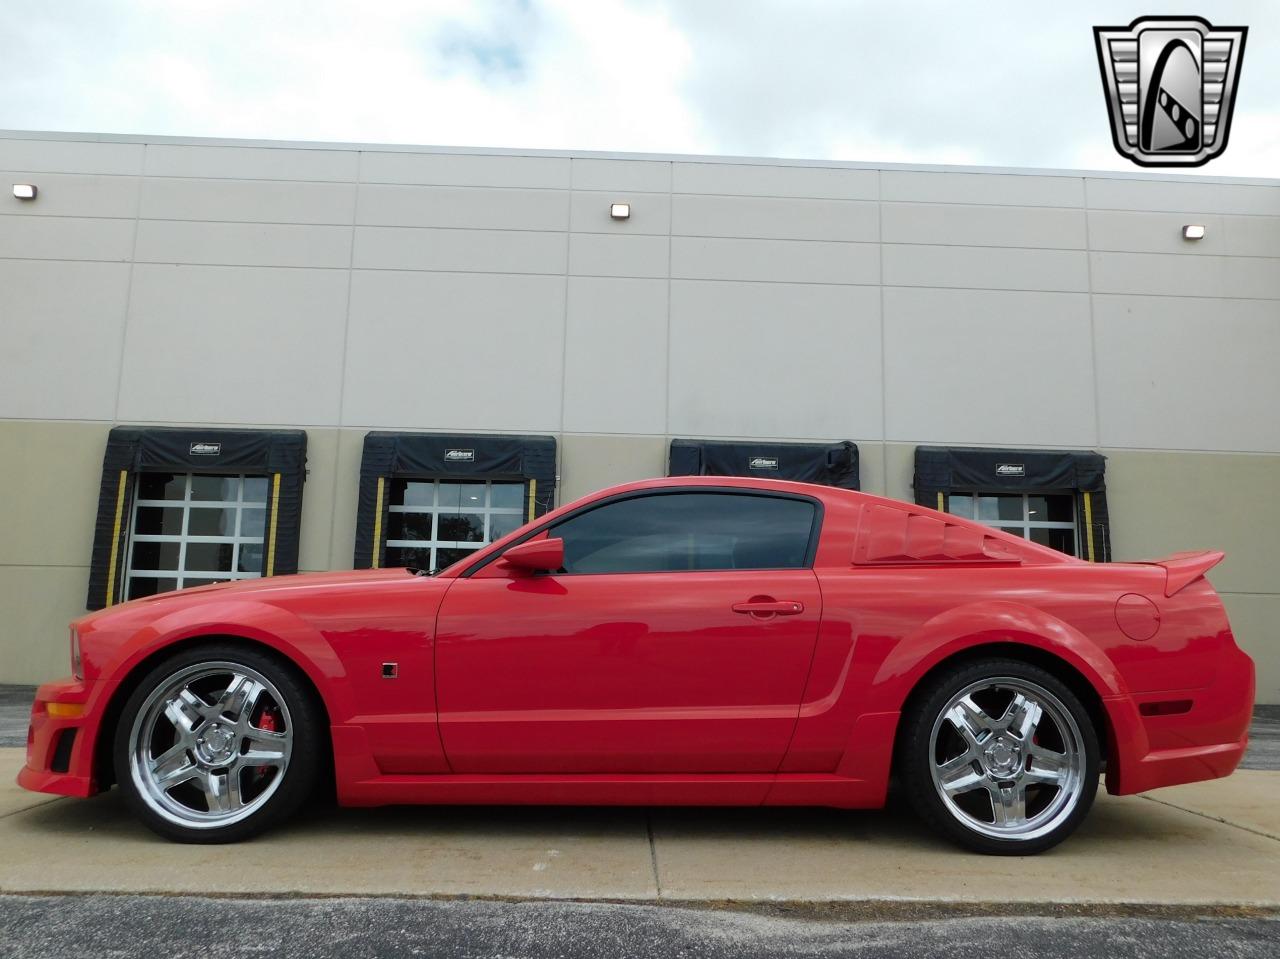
(1002, 83)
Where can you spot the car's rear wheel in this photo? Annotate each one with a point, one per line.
(1000, 756)
(217, 743)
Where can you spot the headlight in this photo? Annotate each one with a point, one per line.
(77, 664)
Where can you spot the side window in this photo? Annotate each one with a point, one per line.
(668, 532)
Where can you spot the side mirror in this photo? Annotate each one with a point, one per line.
(536, 556)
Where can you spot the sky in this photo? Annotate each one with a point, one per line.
(992, 84)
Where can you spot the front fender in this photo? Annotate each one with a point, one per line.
(259, 622)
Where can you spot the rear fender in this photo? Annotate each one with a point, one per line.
(984, 623)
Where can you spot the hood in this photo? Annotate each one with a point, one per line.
(249, 588)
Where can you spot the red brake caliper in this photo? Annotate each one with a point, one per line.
(268, 722)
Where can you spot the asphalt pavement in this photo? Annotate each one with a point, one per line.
(15, 710)
(189, 926)
(1264, 739)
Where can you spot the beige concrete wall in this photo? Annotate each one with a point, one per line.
(48, 503)
(1163, 502)
(1160, 502)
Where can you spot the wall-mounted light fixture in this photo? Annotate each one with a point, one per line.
(1193, 231)
(24, 191)
(620, 211)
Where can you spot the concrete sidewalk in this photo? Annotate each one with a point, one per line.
(1207, 844)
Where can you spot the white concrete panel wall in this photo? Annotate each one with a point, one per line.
(423, 347)
(1005, 367)
(345, 286)
(223, 344)
(62, 325)
(774, 359)
(1189, 373)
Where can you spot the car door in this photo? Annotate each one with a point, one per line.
(677, 638)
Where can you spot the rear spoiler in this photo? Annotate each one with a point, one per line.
(1182, 569)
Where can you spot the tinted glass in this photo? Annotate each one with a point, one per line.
(215, 521)
(255, 489)
(253, 522)
(446, 557)
(1063, 540)
(688, 531)
(215, 488)
(155, 555)
(250, 560)
(403, 556)
(162, 486)
(500, 524)
(461, 528)
(1062, 509)
(409, 526)
(158, 520)
(999, 507)
(506, 496)
(411, 493)
(140, 586)
(209, 557)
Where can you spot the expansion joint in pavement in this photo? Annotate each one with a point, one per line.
(34, 805)
(1205, 815)
(653, 853)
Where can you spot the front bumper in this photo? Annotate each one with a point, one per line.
(62, 737)
(1152, 747)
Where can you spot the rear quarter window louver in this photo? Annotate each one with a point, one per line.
(890, 536)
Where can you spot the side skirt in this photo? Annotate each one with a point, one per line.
(361, 783)
(614, 790)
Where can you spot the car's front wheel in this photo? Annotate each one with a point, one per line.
(217, 743)
(1000, 756)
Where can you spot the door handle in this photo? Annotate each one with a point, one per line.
(769, 607)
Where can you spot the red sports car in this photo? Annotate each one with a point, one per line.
(677, 641)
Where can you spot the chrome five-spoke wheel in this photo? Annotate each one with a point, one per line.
(1007, 758)
(1001, 756)
(209, 745)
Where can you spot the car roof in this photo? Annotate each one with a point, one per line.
(825, 493)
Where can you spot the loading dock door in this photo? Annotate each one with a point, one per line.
(182, 507)
(1054, 497)
(828, 464)
(428, 499)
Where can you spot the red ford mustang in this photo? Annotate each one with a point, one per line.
(677, 641)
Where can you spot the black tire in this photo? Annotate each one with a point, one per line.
(1002, 762)
(289, 779)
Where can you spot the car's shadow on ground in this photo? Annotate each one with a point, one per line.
(107, 816)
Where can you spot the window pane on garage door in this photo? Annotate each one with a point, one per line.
(432, 524)
(193, 529)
